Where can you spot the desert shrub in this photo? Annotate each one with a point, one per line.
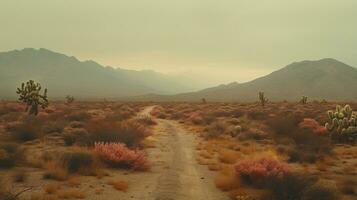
(79, 136)
(118, 155)
(257, 115)
(56, 126)
(120, 115)
(321, 190)
(19, 176)
(158, 112)
(216, 129)
(291, 186)
(253, 134)
(55, 171)
(77, 160)
(255, 171)
(5, 160)
(347, 186)
(9, 107)
(313, 125)
(79, 116)
(127, 132)
(29, 129)
(226, 179)
(307, 145)
(195, 118)
(9, 155)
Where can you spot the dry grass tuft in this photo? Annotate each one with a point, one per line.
(74, 181)
(227, 179)
(51, 188)
(228, 156)
(119, 185)
(71, 193)
(54, 171)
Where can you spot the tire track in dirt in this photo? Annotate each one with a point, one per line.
(183, 179)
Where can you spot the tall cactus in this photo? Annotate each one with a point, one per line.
(303, 100)
(263, 100)
(69, 99)
(30, 95)
(343, 121)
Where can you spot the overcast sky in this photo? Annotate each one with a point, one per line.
(217, 40)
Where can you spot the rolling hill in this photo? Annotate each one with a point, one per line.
(64, 75)
(322, 79)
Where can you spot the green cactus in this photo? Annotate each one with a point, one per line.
(69, 99)
(303, 100)
(343, 121)
(263, 100)
(30, 95)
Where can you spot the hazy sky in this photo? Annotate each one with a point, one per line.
(215, 40)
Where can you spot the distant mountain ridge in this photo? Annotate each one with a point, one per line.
(66, 75)
(322, 79)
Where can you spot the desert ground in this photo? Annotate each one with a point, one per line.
(175, 151)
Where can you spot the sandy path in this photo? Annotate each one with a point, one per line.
(178, 176)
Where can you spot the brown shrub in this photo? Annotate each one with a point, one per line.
(54, 171)
(29, 129)
(347, 186)
(78, 116)
(77, 160)
(56, 126)
(130, 133)
(9, 155)
(216, 129)
(308, 146)
(228, 156)
(227, 179)
(321, 190)
(19, 176)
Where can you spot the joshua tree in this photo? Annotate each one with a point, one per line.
(262, 98)
(30, 95)
(69, 99)
(303, 100)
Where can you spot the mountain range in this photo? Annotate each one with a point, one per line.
(65, 75)
(321, 79)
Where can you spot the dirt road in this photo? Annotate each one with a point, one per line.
(177, 174)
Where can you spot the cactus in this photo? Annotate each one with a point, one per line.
(30, 95)
(69, 99)
(343, 121)
(262, 98)
(303, 100)
(203, 100)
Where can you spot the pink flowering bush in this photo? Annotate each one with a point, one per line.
(264, 168)
(195, 117)
(313, 125)
(118, 155)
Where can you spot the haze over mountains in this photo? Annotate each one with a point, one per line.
(63, 75)
(323, 79)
